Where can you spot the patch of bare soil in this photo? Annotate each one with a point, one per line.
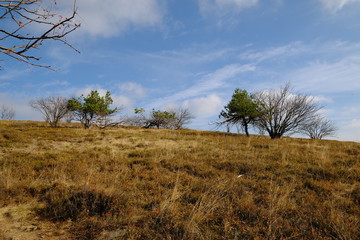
(19, 222)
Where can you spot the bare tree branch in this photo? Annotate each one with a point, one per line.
(7, 113)
(283, 112)
(53, 109)
(19, 18)
(318, 128)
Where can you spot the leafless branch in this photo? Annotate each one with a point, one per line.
(7, 113)
(318, 128)
(283, 112)
(19, 18)
(53, 109)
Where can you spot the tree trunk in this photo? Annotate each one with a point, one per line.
(246, 130)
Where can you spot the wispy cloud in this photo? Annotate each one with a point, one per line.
(56, 83)
(132, 89)
(21, 105)
(118, 100)
(221, 7)
(292, 49)
(350, 130)
(206, 85)
(314, 67)
(204, 106)
(336, 5)
(337, 76)
(107, 18)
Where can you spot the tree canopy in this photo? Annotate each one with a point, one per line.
(88, 109)
(241, 110)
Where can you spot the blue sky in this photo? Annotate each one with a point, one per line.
(194, 53)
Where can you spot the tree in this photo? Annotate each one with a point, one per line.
(171, 119)
(182, 117)
(7, 113)
(53, 109)
(318, 127)
(19, 19)
(240, 111)
(160, 118)
(92, 107)
(283, 112)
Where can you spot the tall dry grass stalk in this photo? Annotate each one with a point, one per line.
(132, 183)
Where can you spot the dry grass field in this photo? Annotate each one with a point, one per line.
(131, 183)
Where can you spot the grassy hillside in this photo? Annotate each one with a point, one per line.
(129, 183)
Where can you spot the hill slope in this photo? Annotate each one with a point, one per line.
(128, 183)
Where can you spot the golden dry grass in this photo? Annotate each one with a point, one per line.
(130, 183)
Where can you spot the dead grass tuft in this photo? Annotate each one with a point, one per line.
(131, 183)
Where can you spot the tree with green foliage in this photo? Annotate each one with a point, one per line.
(160, 118)
(171, 119)
(88, 109)
(241, 110)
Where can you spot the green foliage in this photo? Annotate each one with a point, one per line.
(139, 110)
(240, 110)
(89, 108)
(163, 114)
(164, 119)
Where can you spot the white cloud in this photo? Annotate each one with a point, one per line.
(121, 101)
(207, 84)
(350, 130)
(21, 106)
(285, 51)
(354, 123)
(316, 67)
(338, 76)
(322, 99)
(336, 5)
(224, 6)
(118, 100)
(348, 111)
(56, 83)
(132, 89)
(108, 18)
(204, 106)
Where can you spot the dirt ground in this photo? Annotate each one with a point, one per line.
(20, 223)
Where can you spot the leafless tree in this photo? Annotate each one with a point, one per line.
(20, 18)
(318, 127)
(7, 113)
(108, 120)
(53, 109)
(69, 117)
(182, 117)
(282, 112)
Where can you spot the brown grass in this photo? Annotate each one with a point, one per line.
(130, 183)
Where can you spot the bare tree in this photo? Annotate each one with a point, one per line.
(69, 117)
(107, 120)
(53, 109)
(318, 127)
(182, 117)
(19, 19)
(282, 112)
(7, 113)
